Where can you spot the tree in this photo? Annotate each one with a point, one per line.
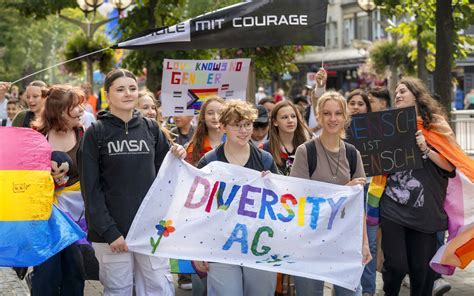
(390, 55)
(79, 44)
(436, 26)
(28, 46)
(39, 9)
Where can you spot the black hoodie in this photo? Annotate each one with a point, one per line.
(115, 179)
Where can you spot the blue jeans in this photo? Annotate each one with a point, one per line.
(59, 275)
(310, 287)
(370, 271)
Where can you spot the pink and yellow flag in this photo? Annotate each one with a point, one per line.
(31, 229)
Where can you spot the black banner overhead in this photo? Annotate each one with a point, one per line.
(249, 24)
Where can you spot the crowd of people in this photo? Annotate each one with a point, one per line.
(303, 138)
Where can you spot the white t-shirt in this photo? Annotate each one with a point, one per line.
(87, 119)
(3, 109)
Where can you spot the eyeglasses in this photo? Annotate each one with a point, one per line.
(246, 126)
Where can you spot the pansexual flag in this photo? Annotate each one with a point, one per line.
(197, 97)
(31, 229)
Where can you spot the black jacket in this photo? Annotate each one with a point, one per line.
(116, 177)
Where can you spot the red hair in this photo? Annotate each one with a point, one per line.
(60, 98)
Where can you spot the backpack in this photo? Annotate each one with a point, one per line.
(28, 118)
(99, 130)
(351, 155)
(265, 158)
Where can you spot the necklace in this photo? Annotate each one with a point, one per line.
(232, 159)
(334, 175)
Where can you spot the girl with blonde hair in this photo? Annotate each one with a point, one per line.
(337, 162)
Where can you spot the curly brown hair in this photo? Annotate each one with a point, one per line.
(427, 106)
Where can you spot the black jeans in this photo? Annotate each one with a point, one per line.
(407, 251)
(59, 275)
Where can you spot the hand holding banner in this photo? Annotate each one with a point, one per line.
(229, 214)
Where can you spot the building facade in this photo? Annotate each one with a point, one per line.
(349, 31)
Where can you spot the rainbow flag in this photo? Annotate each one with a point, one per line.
(197, 97)
(182, 266)
(31, 228)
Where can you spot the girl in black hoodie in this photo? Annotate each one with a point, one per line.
(121, 155)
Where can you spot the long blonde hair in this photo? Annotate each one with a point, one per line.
(334, 95)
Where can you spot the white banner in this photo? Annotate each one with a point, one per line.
(230, 214)
(186, 84)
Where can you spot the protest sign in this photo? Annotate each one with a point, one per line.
(386, 140)
(230, 214)
(311, 79)
(186, 84)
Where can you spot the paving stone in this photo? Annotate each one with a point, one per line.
(462, 283)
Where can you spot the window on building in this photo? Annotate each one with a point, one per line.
(331, 35)
(362, 26)
(348, 31)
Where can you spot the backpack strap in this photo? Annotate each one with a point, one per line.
(312, 156)
(153, 128)
(211, 155)
(351, 155)
(28, 118)
(4, 122)
(267, 160)
(266, 146)
(98, 128)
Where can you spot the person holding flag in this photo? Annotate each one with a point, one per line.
(412, 204)
(60, 123)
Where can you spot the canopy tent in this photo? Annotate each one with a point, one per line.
(248, 24)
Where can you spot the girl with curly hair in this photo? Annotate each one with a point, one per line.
(411, 206)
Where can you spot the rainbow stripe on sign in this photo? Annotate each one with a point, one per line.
(35, 229)
(182, 266)
(197, 97)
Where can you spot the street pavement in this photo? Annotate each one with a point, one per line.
(462, 283)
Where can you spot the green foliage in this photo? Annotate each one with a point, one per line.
(39, 9)
(385, 53)
(79, 44)
(414, 13)
(28, 45)
(268, 60)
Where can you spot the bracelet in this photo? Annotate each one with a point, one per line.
(425, 153)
